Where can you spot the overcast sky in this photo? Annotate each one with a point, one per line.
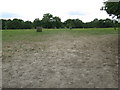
(85, 10)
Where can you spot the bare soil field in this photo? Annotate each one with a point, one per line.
(61, 61)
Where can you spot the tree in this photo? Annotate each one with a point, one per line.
(8, 24)
(37, 23)
(73, 23)
(3, 23)
(78, 23)
(102, 23)
(27, 25)
(112, 8)
(109, 23)
(47, 20)
(94, 23)
(57, 22)
(69, 23)
(15, 24)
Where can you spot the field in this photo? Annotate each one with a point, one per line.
(60, 58)
(0, 59)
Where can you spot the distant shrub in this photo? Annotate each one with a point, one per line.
(39, 29)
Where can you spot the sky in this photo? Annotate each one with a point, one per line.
(85, 10)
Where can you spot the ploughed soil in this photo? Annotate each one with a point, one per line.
(61, 62)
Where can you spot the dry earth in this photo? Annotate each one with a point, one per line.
(61, 62)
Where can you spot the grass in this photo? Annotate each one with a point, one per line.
(0, 40)
(31, 34)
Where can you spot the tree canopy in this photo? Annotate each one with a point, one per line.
(50, 21)
(112, 8)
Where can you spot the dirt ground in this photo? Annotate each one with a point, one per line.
(61, 62)
(0, 69)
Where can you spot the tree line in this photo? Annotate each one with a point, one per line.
(50, 21)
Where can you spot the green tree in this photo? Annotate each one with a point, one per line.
(15, 24)
(9, 24)
(109, 23)
(69, 23)
(37, 23)
(27, 25)
(3, 23)
(77, 23)
(47, 20)
(94, 23)
(73, 23)
(57, 22)
(112, 8)
(102, 23)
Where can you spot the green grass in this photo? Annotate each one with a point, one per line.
(12, 35)
(0, 40)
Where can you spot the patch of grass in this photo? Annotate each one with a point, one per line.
(32, 35)
(0, 40)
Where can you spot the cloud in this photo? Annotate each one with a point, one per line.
(76, 13)
(113, 0)
(85, 10)
(9, 15)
